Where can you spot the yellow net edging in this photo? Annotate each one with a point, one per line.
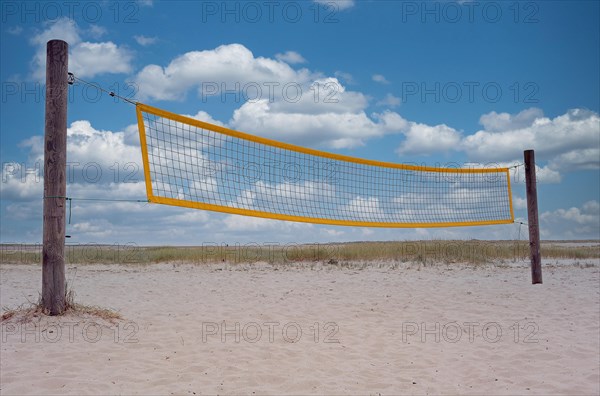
(198, 165)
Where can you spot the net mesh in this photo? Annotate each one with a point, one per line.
(198, 165)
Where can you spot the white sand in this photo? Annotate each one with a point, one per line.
(173, 313)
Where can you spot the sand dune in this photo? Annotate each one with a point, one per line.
(260, 329)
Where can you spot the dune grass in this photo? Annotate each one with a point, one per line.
(444, 251)
(34, 310)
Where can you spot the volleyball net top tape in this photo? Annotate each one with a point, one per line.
(194, 164)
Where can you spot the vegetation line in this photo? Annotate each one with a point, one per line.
(444, 251)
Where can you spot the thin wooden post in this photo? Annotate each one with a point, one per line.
(55, 183)
(532, 216)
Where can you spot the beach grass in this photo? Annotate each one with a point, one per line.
(31, 311)
(431, 251)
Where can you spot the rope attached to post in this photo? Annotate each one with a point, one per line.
(72, 79)
(70, 200)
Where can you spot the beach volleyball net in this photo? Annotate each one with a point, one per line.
(198, 165)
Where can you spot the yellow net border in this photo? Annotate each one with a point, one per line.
(194, 164)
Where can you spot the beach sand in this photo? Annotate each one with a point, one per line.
(373, 328)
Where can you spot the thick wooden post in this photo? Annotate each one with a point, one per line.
(55, 183)
(532, 216)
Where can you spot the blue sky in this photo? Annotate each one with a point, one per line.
(470, 81)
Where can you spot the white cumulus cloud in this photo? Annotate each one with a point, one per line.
(337, 130)
(86, 59)
(506, 136)
(575, 222)
(499, 122)
(338, 4)
(424, 139)
(20, 182)
(379, 79)
(390, 101)
(291, 57)
(567, 142)
(145, 40)
(227, 66)
(294, 105)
